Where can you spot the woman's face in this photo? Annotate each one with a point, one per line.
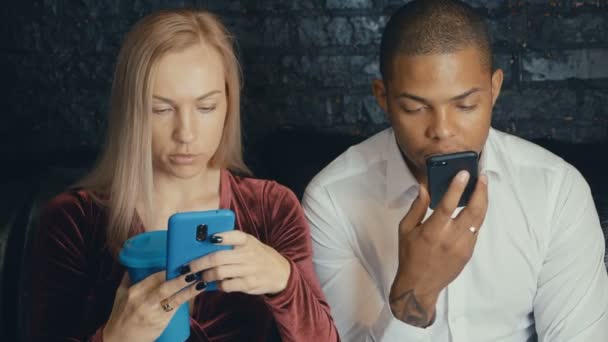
(189, 107)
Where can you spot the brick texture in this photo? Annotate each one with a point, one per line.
(306, 63)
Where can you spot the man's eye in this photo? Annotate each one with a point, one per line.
(467, 108)
(409, 110)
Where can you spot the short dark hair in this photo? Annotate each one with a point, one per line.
(424, 27)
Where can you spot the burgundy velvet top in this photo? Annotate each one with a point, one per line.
(75, 278)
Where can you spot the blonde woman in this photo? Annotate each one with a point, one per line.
(174, 145)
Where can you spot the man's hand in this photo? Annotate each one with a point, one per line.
(432, 254)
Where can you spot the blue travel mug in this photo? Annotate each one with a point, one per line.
(143, 255)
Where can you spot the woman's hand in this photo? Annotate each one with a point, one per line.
(138, 313)
(250, 267)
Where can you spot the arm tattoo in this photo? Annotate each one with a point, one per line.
(407, 309)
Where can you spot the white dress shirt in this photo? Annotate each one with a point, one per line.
(537, 271)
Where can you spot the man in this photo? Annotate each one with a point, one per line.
(523, 261)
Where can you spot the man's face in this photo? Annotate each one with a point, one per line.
(438, 104)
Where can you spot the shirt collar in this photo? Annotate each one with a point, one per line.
(488, 162)
(399, 178)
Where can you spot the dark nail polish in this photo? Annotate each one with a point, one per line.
(184, 269)
(190, 278)
(216, 239)
(201, 286)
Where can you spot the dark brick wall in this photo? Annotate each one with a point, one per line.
(307, 63)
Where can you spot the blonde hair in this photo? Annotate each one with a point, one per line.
(122, 177)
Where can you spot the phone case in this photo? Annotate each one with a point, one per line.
(185, 240)
(441, 169)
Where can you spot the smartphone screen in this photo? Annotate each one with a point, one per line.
(441, 169)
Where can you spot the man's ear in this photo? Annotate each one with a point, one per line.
(497, 78)
(379, 90)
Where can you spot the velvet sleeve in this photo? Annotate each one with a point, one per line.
(60, 281)
(300, 310)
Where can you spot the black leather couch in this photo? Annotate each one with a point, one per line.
(290, 156)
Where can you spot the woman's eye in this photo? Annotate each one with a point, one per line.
(206, 109)
(161, 110)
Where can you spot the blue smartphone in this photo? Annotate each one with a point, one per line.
(442, 168)
(188, 238)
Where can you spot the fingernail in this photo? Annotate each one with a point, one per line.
(184, 269)
(484, 179)
(201, 286)
(190, 278)
(216, 239)
(463, 176)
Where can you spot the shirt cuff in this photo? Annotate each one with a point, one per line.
(280, 300)
(389, 328)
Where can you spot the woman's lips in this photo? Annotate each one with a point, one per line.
(182, 159)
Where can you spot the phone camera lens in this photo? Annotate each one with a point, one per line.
(201, 232)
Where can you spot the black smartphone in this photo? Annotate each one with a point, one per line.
(442, 168)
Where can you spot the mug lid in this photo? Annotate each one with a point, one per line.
(147, 249)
